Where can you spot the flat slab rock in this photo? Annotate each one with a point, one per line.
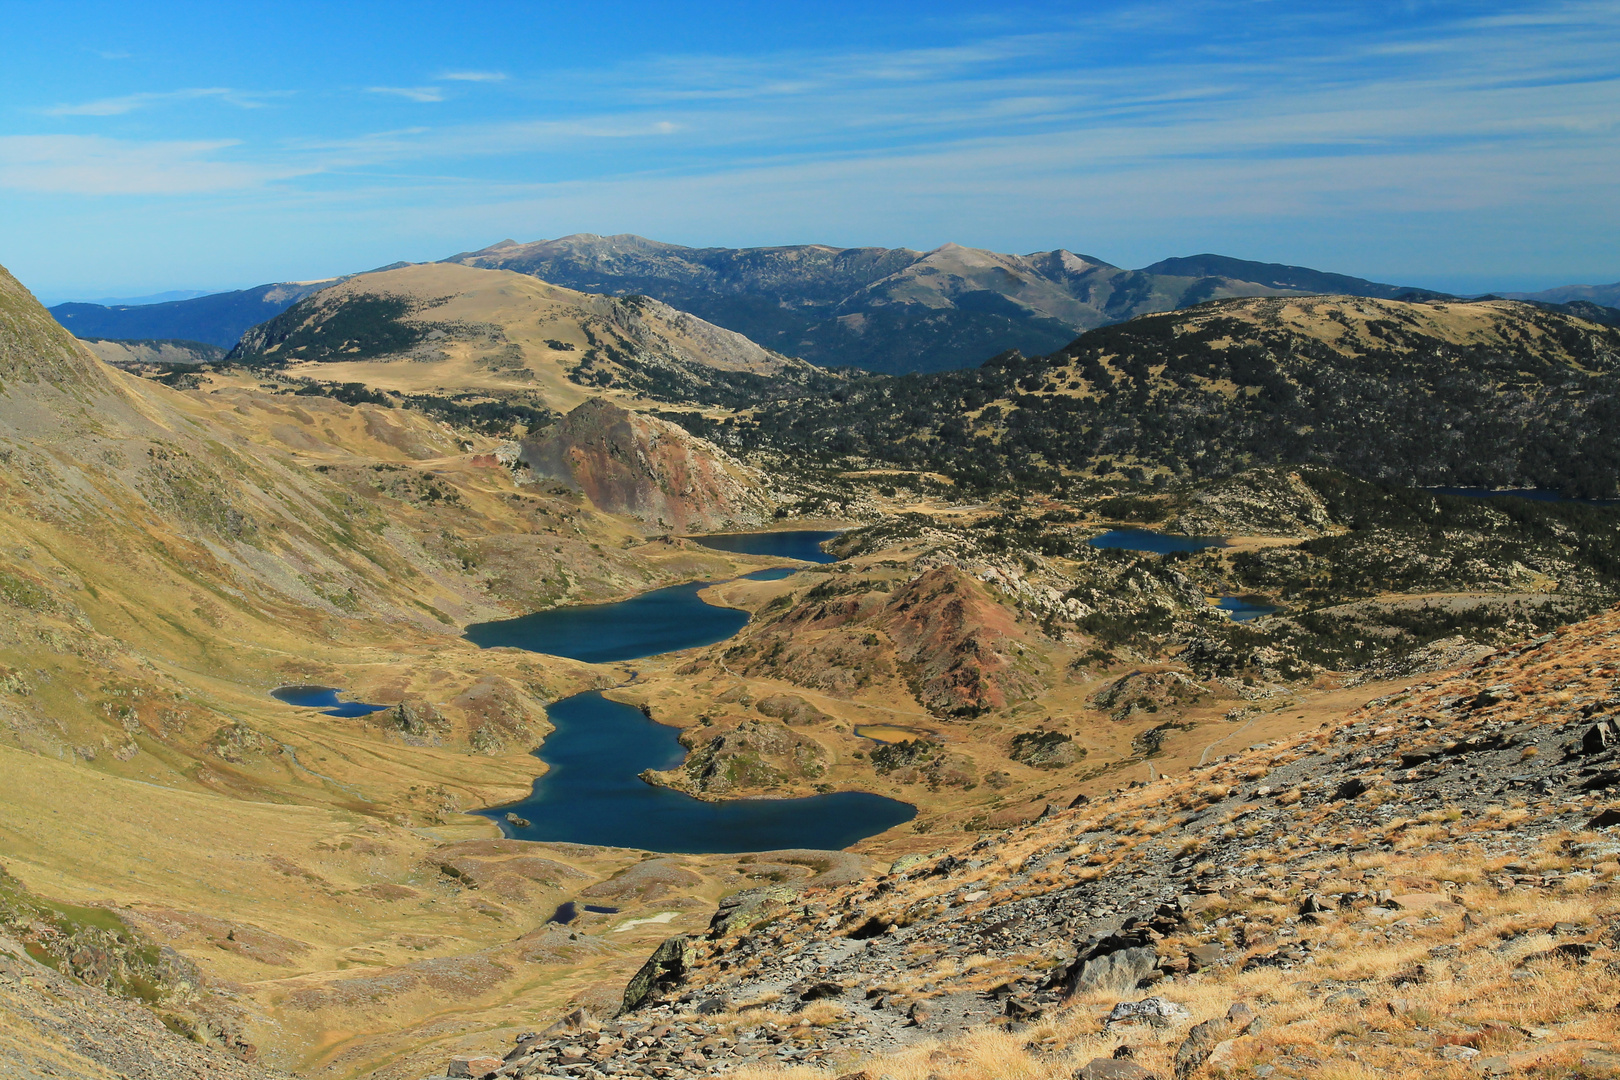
(1503, 1064)
(1113, 1069)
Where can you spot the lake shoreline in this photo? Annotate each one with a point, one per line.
(596, 759)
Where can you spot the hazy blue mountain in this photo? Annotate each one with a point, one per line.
(1605, 295)
(216, 319)
(1287, 278)
(132, 301)
(1584, 309)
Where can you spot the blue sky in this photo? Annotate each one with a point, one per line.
(174, 145)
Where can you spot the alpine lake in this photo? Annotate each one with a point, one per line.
(592, 792)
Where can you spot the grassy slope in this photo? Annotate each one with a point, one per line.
(165, 559)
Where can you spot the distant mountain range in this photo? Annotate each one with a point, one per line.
(897, 310)
(1604, 295)
(891, 310)
(150, 298)
(217, 319)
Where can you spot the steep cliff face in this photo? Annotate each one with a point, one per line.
(628, 463)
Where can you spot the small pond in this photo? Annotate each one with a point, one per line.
(892, 733)
(802, 544)
(569, 911)
(1244, 608)
(1156, 543)
(324, 698)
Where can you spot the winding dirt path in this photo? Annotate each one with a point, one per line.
(1204, 757)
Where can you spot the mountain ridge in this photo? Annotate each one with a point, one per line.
(1604, 295)
(215, 319)
(896, 310)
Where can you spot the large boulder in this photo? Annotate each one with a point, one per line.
(739, 911)
(666, 967)
(1114, 971)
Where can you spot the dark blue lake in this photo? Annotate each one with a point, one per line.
(1533, 494)
(797, 544)
(1244, 608)
(656, 622)
(324, 698)
(593, 794)
(775, 573)
(1156, 543)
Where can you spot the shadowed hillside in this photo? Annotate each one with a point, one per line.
(1491, 394)
(216, 319)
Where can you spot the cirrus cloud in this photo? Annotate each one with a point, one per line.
(410, 93)
(94, 165)
(128, 103)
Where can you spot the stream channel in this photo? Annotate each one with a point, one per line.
(592, 792)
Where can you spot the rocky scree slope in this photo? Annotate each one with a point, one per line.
(895, 310)
(83, 990)
(165, 353)
(57, 1026)
(1425, 883)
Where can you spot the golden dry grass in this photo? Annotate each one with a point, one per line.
(1486, 998)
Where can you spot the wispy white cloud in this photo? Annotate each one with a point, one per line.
(410, 93)
(92, 165)
(1335, 118)
(451, 143)
(117, 106)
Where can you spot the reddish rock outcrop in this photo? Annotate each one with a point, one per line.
(943, 633)
(627, 463)
(959, 645)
